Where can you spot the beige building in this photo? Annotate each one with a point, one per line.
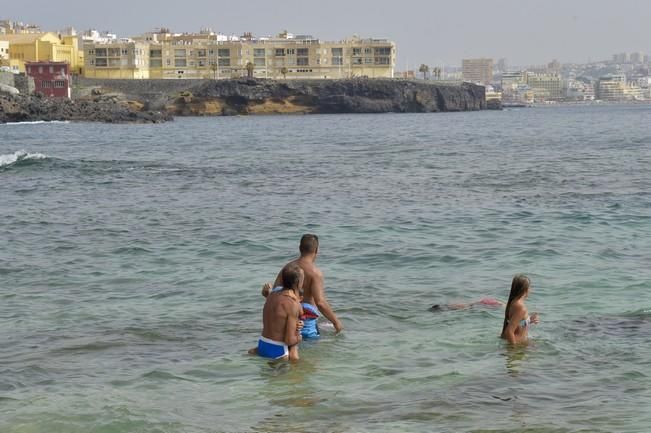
(206, 55)
(4, 53)
(117, 60)
(545, 87)
(477, 70)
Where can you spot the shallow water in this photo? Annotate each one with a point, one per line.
(133, 257)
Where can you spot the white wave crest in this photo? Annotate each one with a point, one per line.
(36, 122)
(20, 155)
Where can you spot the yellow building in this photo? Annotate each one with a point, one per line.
(206, 55)
(34, 47)
(116, 60)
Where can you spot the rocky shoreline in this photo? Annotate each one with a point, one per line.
(153, 101)
(30, 108)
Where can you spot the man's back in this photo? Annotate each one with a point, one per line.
(275, 314)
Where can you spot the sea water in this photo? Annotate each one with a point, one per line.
(133, 257)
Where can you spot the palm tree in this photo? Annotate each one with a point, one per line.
(249, 70)
(424, 69)
(213, 68)
(284, 71)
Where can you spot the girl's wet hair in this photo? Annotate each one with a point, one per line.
(519, 287)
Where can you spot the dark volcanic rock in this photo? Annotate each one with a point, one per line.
(247, 96)
(26, 108)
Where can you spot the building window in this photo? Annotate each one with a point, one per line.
(368, 60)
(337, 61)
(291, 51)
(156, 53)
(224, 62)
(368, 51)
(156, 63)
(280, 52)
(114, 52)
(302, 61)
(382, 61)
(337, 52)
(180, 63)
(259, 61)
(303, 52)
(258, 52)
(179, 53)
(46, 84)
(59, 84)
(224, 52)
(357, 51)
(125, 52)
(40, 69)
(201, 53)
(383, 51)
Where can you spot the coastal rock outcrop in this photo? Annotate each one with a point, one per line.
(243, 96)
(28, 108)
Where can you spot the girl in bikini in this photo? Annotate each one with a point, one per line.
(516, 318)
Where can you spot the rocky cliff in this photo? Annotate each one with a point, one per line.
(27, 108)
(229, 97)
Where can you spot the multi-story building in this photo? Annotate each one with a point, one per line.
(50, 78)
(35, 47)
(611, 87)
(547, 87)
(4, 53)
(118, 59)
(207, 55)
(8, 27)
(637, 57)
(477, 70)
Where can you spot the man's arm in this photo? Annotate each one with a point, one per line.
(322, 303)
(292, 333)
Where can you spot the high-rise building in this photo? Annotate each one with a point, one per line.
(477, 70)
(548, 87)
(637, 57)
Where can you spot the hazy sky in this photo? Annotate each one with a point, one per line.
(433, 32)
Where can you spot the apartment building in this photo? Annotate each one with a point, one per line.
(545, 87)
(4, 52)
(117, 59)
(477, 70)
(207, 55)
(35, 47)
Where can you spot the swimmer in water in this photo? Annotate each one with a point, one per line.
(486, 302)
(516, 317)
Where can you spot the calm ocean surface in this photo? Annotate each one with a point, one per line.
(133, 257)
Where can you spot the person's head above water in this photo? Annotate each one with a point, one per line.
(519, 289)
(309, 245)
(293, 278)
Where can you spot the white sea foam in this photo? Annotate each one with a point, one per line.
(20, 155)
(36, 122)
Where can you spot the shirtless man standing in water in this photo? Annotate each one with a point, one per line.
(313, 291)
(280, 318)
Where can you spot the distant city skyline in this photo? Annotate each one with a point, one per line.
(436, 33)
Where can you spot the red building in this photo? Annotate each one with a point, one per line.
(50, 78)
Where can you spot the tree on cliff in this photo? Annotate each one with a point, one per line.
(284, 71)
(424, 69)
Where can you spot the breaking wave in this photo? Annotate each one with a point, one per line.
(18, 157)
